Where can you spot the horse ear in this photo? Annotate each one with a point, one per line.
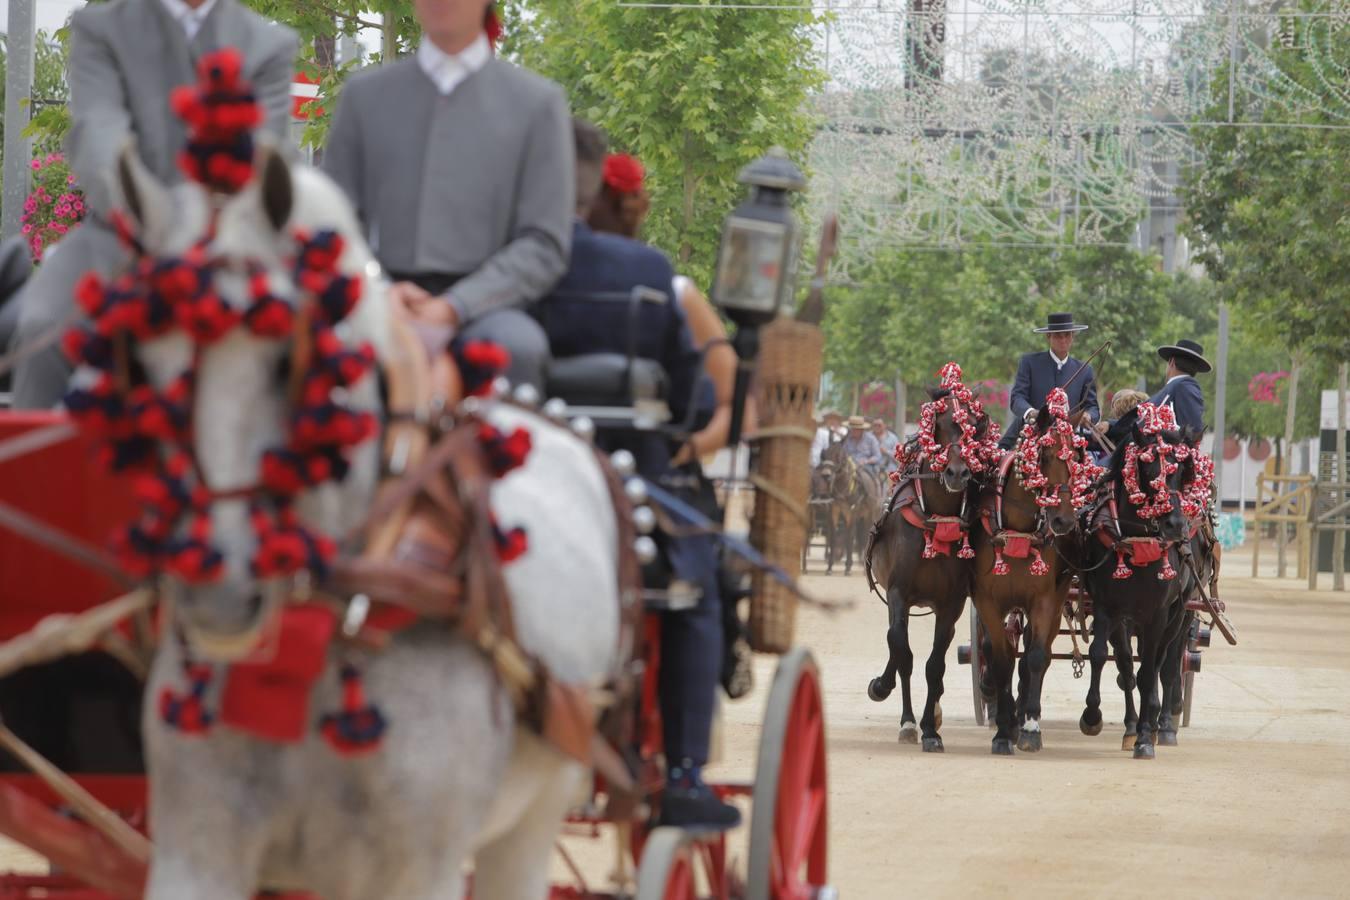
(276, 188)
(141, 195)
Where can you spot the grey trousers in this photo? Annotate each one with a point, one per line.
(522, 337)
(48, 298)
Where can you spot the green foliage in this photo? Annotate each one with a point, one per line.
(1269, 207)
(912, 311)
(695, 94)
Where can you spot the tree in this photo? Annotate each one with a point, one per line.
(49, 119)
(1269, 207)
(695, 93)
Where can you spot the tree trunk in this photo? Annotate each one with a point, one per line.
(389, 41)
(1286, 461)
(690, 191)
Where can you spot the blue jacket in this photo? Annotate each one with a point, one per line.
(1186, 399)
(576, 325)
(1037, 376)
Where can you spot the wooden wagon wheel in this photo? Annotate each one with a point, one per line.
(977, 663)
(667, 868)
(1187, 695)
(789, 818)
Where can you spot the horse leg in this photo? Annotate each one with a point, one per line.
(879, 688)
(1125, 677)
(829, 539)
(850, 521)
(1042, 628)
(1173, 643)
(1001, 665)
(903, 659)
(944, 629)
(517, 863)
(1090, 723)
(1150, 653)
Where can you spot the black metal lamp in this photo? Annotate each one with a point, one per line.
(757, 263)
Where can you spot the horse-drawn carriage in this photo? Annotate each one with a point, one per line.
(456, 666)
(1038, 538)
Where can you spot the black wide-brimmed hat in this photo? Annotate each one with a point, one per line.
(1057, 323)
(1188, 349)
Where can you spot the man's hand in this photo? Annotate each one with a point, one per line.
(1102, 427)
(423, 305)
(1030, 415)
(1083, 420)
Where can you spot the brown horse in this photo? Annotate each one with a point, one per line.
(914, 550)
(854, 496)
(1019, 566)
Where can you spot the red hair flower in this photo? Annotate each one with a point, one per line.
(623, 174)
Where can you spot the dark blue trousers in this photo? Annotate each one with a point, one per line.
(691, 654)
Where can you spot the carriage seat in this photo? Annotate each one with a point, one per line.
(611, 388)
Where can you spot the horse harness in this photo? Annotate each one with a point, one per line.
(1007, 541)
(429, 553)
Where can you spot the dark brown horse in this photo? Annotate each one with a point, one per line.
(918, 552)
(1145, 591)
(854, 496)
(1018, 566)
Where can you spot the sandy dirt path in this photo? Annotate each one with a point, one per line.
(1254, 803)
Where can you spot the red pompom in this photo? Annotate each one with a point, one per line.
(623, 174)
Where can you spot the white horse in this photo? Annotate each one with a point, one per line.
(456, 780)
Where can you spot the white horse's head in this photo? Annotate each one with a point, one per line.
(246, 383)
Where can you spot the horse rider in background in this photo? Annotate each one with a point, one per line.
(828, 432)
(889, 442)
(1040, 373)
(863, 447)
(126, 58)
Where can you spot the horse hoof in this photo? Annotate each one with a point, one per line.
(1167, 738)
(1002, 747)
(877, 692)
(1127, 742)
(1144, 751)
(1125, 682)
(1088, 727)
(932, 745)
(909, 733)
(1029, 741)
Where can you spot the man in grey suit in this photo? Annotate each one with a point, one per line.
(126, 57)
(460, 166)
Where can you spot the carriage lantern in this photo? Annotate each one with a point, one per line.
(757, 261)
(757, 258)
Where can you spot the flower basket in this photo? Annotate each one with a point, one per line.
(54, 207)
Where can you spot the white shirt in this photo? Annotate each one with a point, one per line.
(191, 19)
(448, 70)
(1174, 378)
(1059, 363)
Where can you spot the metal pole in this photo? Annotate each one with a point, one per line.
(1342, 478)
(18, 89)
(1220, 399)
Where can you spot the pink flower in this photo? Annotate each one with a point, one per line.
(27, 229)
(60, 229)
(70, 179)
(36, 165)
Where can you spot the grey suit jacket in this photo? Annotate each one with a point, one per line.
(480, 183)
(125, 59)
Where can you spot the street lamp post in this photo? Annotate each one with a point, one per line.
(18, 86)
(756, 263)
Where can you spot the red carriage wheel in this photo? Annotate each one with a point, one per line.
(977, 664)
(789, 820)
(667, 869)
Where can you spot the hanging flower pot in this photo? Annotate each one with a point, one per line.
(1258, 449)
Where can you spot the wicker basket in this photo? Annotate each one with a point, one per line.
(786, 381)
